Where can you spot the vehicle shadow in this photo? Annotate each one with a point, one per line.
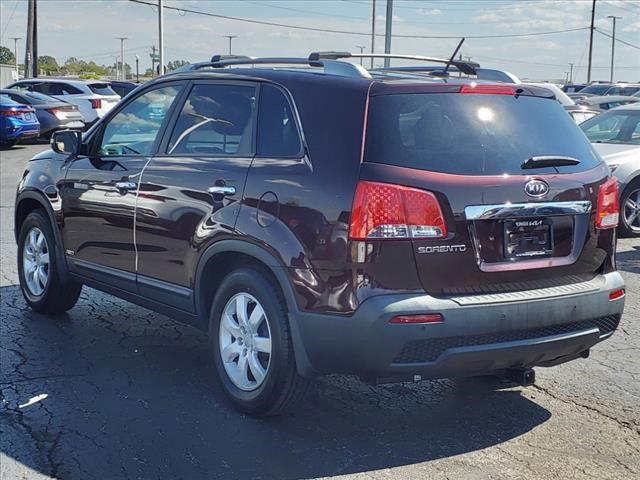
(629, 261)
(130, 394)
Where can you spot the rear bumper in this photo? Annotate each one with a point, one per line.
(480, 334)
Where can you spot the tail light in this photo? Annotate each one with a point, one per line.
(96, 103)
(15, 113)
(616, 294)
(59, 113)
(387, 211)
(608, 205)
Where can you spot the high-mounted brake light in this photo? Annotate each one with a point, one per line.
(608, 211)
(488, 89)
(96, 103)
(387, 211)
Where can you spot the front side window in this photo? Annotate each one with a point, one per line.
(613, 128)
(215, 120)
(134, 129)
(277, 132)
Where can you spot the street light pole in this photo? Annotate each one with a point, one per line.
(15, 52)
(387, 32)
(123, 74)
(571, 73)
(117, 68)
(613, 43)
(592, 28)
(373, 29)
(161, 37)
(230, 37)
(361, 47)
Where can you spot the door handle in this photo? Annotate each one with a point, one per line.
(125, 186)
(224, 191)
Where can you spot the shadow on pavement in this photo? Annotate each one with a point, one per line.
(629, 261)
(130, 395)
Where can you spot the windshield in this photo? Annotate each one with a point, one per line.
(596, 89)
(614, 127)
(472, 134)
(101, 89)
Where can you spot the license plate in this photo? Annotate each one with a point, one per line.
(527, 238)
(27, 116)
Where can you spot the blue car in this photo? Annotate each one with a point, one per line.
(17, 122)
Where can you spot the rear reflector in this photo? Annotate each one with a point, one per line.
(96, 103)
(422, 318)
(608, 205)
(488, 89)
(387, 211)
(616, 294)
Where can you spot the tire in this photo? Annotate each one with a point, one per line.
(44, 290)
(281, 387)
(8, 143)
(632, 192)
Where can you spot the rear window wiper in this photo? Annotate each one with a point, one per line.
(548, 161)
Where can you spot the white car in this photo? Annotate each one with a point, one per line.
(615, 135)
(93, 97)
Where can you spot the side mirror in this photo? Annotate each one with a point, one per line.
(68, 142)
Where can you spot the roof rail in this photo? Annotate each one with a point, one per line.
(344, 69)
(464, 66)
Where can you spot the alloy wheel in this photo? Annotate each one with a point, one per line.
(632, 211)
(245, 342)
(35, 262)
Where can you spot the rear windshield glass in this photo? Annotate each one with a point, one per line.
(38, 98)
(101, 89)
(472, 134)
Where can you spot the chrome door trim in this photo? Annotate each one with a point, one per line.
(532, 209)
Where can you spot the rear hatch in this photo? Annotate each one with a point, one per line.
(515, 182)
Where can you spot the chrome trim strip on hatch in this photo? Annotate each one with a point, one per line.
(532, 209)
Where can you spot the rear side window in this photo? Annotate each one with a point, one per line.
(56, 88)
(215, 120)
(101, 89)
(472, 134)
(277, 132)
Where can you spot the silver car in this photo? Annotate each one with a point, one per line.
(616, 136)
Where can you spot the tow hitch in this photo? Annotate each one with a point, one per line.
(522, 376)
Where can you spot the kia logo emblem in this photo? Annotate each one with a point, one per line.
(536, 188)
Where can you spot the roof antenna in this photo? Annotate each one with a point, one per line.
(453, 57)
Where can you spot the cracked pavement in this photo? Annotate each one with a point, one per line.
(113, 391)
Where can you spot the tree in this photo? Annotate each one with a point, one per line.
(171, 66)
(6, 56)
(48, 65)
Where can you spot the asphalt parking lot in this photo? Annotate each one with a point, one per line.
(113, 391)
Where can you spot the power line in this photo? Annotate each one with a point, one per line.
(637, 47)
(367, 34)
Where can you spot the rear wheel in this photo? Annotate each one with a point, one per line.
(630, 210)
(42, 285)
(250, 342)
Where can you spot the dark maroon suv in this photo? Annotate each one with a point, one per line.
(320, 218)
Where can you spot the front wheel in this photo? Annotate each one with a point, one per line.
(630, 210)
(250, 342)
(42, 285)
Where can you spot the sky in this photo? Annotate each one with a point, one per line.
(87, 29)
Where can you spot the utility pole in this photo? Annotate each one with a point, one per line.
(593, 15)
(153, 60)
(161, 37)
(116, 58)
(361, 47)
(15, 52)
(123, 73)
(137, 68)
(230, 37)
(613, 43)
(387, 32)
(373, 29)
(571, 73)
(29, 49)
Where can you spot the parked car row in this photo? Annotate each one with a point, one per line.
(57, 104)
